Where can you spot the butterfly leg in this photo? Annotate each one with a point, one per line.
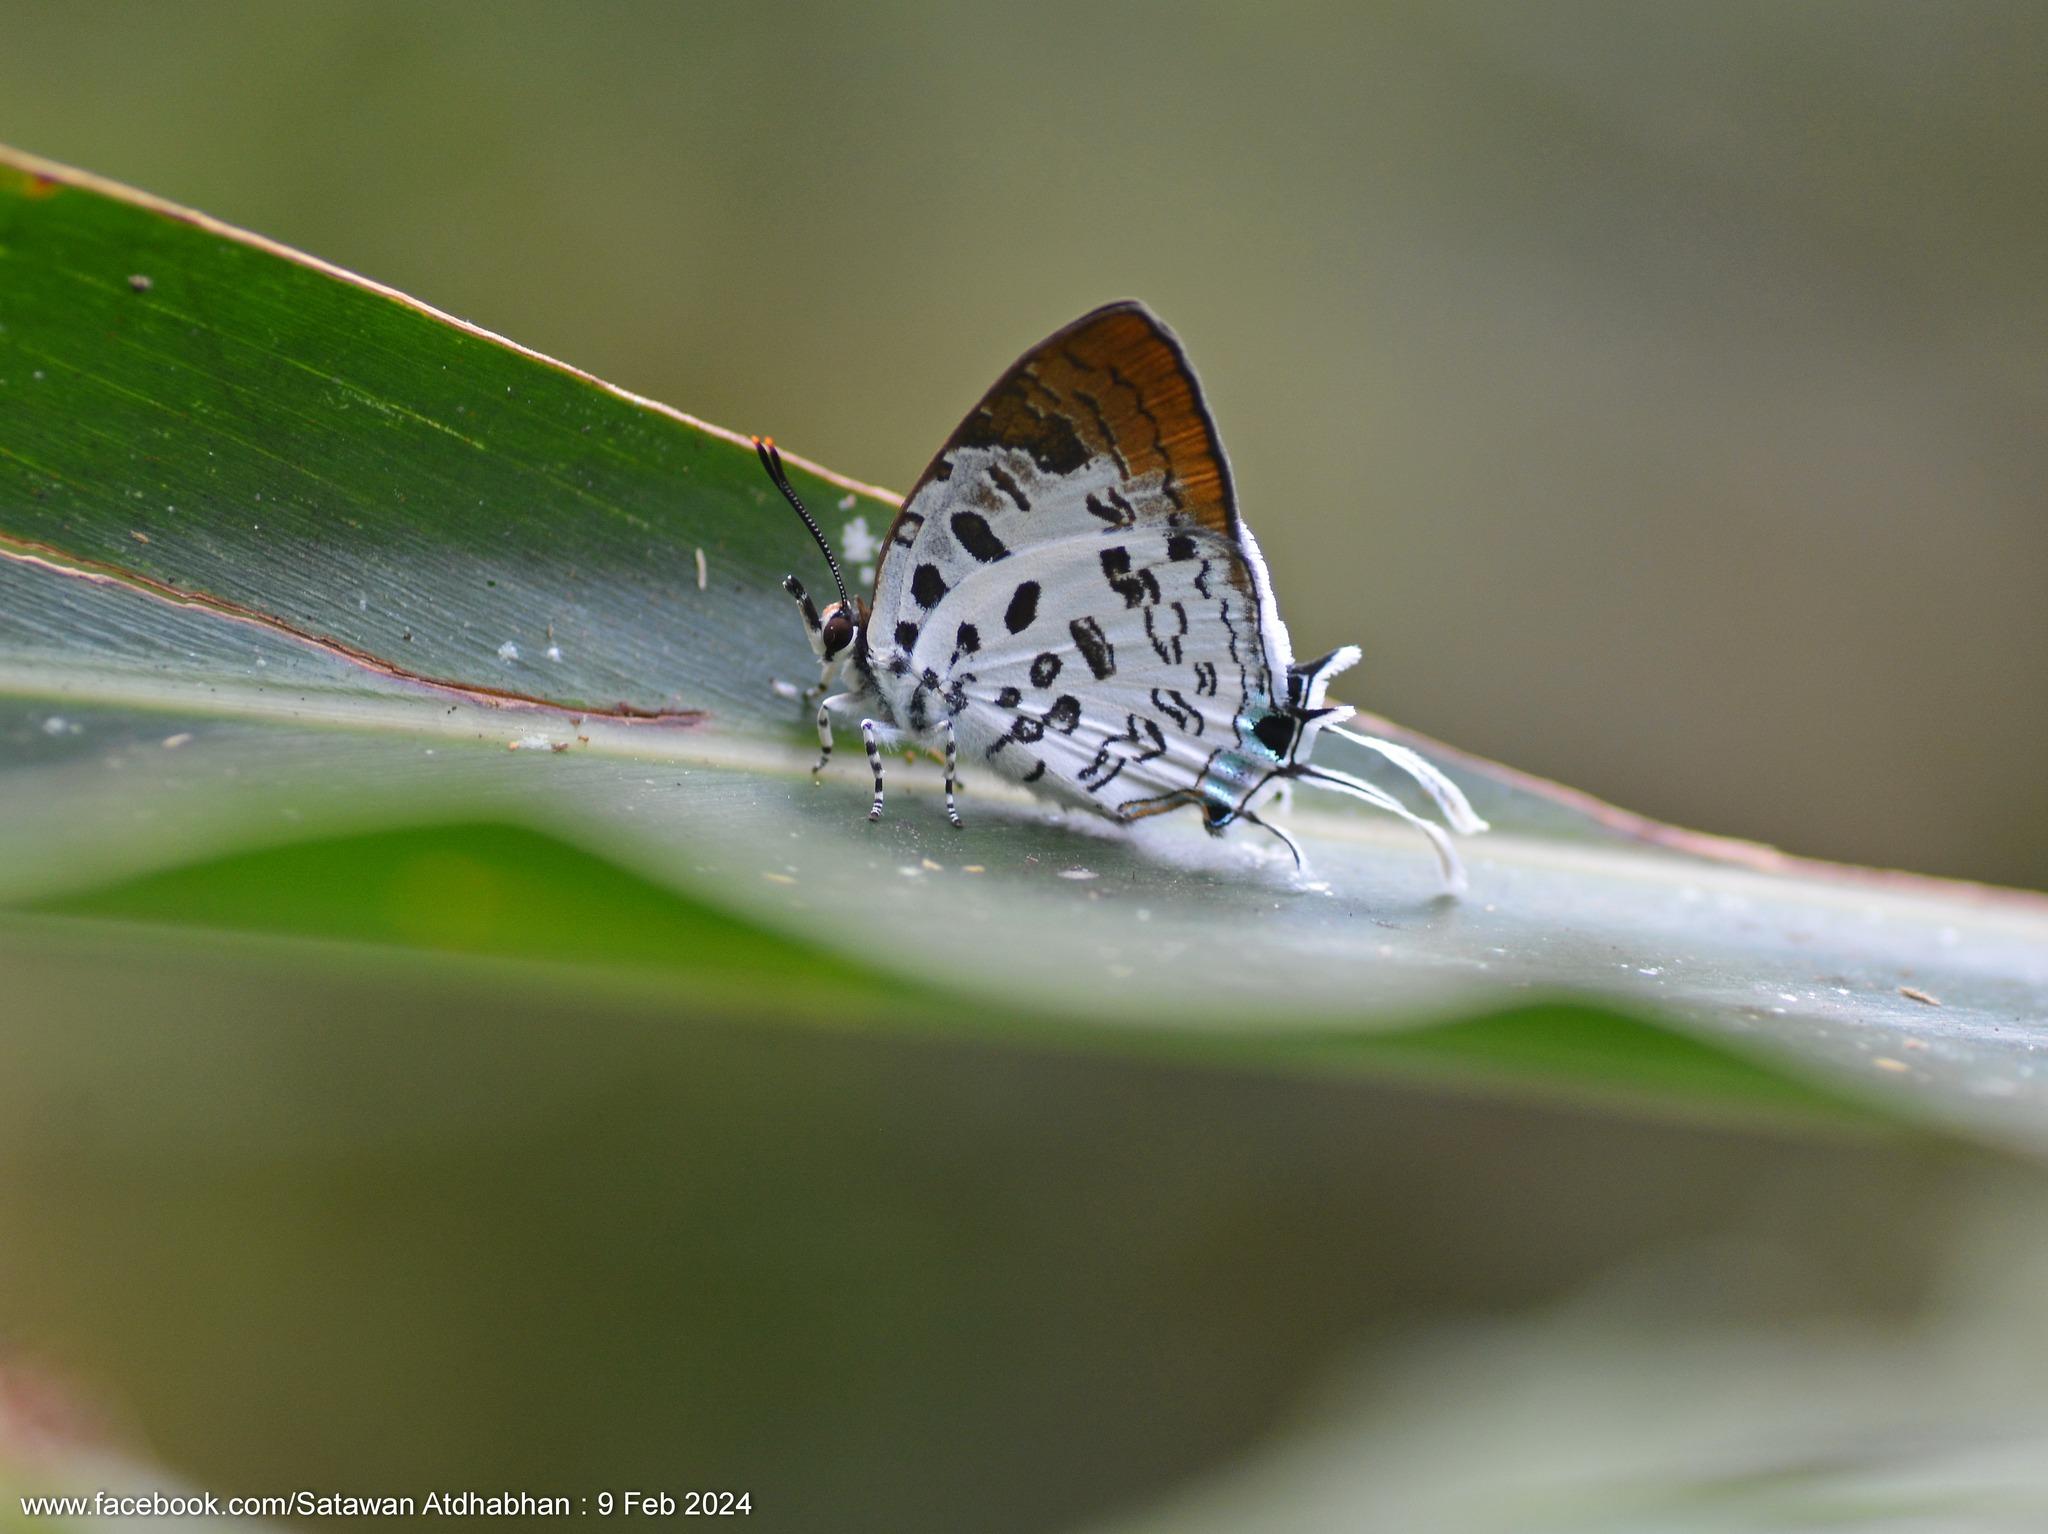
(952, 775)
(825, 728)
(867, 734)
(824, 740)
(1293, 846)
(808, 609)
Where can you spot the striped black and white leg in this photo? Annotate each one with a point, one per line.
(867, 734)
(952, 773)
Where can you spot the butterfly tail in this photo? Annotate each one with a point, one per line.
(1342, 782)
(1446, 795)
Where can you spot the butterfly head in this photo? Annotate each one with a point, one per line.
(839, 628)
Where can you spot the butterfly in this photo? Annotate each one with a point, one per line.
(1070, 599)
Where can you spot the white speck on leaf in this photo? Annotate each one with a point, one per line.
(508, 651)
(58, 725)
(554, 652)
(703, 571)
(1077, 874)
(848, 501)
(857, 543)
(172, 742)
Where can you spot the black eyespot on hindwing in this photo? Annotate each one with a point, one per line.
(1065, 714)
(1180, 546)
(968, 640)
(1009, 697)
(1276, 733)
(1045, 669)
(906, 636)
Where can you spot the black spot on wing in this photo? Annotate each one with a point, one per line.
(1133, 586)
(1166, 641)
(968, 640)
(927, 585)
(1008, 486)
(1023, 607)
(974, 534)
(1180, 546)
(1185, 716)
(1065, 714)
(1147, 736)
(906, 636)
(1094, 646)
(1101, 772)
(1009, 697)
(1034, 774)
(1141, 734)
(1112, 509)
(1045, 669)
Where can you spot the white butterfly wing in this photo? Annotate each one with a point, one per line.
(1119, 670)
(1099, 430)
(1071, 585)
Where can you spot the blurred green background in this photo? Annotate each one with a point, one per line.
(1655, 393)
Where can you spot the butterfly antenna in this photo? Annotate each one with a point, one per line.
(771, 460)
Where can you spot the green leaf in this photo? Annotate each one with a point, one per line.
(432, 975)
(290, 556)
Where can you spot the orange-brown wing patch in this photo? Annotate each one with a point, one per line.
(1114, 384)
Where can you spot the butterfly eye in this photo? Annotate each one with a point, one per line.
(838, 630)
